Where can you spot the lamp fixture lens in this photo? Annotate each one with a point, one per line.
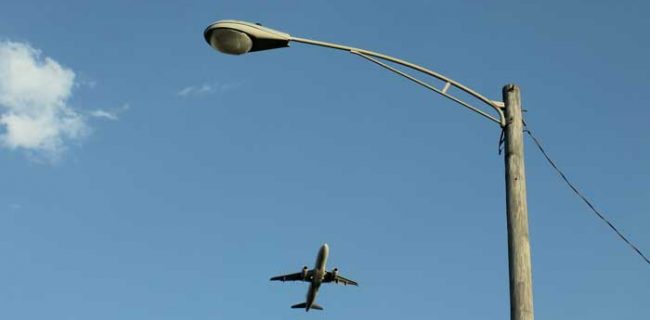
(231, 41)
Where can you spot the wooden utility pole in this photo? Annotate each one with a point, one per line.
(521, 285)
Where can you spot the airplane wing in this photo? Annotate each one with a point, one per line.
(298, 276)
(336, 278)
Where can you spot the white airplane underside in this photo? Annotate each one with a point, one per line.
(315, 277)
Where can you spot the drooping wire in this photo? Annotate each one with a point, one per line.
(564, 177)
(502, 140)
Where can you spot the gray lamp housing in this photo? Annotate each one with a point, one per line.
(239, 37)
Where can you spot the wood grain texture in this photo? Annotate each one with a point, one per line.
(521, 286)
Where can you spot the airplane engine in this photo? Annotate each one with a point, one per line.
(335, 273)
(304, 272)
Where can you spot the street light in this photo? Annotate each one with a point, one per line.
(240, 37)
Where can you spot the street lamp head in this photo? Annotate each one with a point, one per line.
(230, 41)
(239, 37)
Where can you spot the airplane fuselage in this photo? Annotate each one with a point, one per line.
(318, 275)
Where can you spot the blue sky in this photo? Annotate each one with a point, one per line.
(146, 176)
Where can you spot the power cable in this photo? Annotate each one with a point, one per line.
(552, 163)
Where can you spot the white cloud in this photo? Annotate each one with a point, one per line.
(186, 91)
(34, 110)
(88, 83)
(112, 114)
(103, 114)
(207, 88)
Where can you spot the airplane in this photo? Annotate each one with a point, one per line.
(315, 277)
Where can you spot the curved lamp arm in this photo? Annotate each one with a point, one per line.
(239, 37)
(496, 105)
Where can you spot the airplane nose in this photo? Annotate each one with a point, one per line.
(326, 249)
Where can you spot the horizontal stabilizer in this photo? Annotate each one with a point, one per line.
(304, 306)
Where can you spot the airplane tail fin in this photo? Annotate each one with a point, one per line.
(304, 306)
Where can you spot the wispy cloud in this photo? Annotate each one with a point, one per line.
(103, 114)
(35, 114)
(207, 88)
(109, 114)
(87, 83)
